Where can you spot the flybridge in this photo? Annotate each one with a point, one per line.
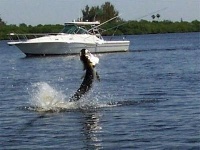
(83, 23)
(91, 23)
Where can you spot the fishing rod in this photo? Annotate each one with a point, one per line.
(152, 13)
(136, 18)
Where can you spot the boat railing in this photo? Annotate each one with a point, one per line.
(25, 37)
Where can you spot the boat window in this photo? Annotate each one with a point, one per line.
(81, 31)
(73, 29)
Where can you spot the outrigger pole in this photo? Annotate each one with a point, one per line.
(104, 22)
(128, 22)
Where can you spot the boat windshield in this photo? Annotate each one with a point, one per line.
(73, 29)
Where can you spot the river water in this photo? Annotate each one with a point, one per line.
(148, 98)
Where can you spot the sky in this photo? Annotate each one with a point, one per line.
(34, 12)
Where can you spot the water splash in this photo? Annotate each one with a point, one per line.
(45, 98)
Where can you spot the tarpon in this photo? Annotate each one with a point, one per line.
(89, 62)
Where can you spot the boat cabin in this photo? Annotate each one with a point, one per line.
(80, 28)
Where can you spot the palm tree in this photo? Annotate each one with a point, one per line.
(153, 17)
(158, 16)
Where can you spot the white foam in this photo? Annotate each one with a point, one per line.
(46, 98)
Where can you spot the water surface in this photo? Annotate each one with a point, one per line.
(156, 84)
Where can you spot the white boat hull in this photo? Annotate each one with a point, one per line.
(63, 48)
(69, 41)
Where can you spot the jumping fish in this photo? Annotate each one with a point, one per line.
(89, 62)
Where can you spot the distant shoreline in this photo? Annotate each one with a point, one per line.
(116, 28)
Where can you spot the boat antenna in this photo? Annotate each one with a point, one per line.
(137, 18)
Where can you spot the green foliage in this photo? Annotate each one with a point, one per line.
(154, 27)
(102, 14)
(2, 23)
(23, 28)
(116, 28)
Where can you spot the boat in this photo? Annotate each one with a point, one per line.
(74, 37)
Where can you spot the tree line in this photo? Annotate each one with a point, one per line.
(152, 27)
(117, 26)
